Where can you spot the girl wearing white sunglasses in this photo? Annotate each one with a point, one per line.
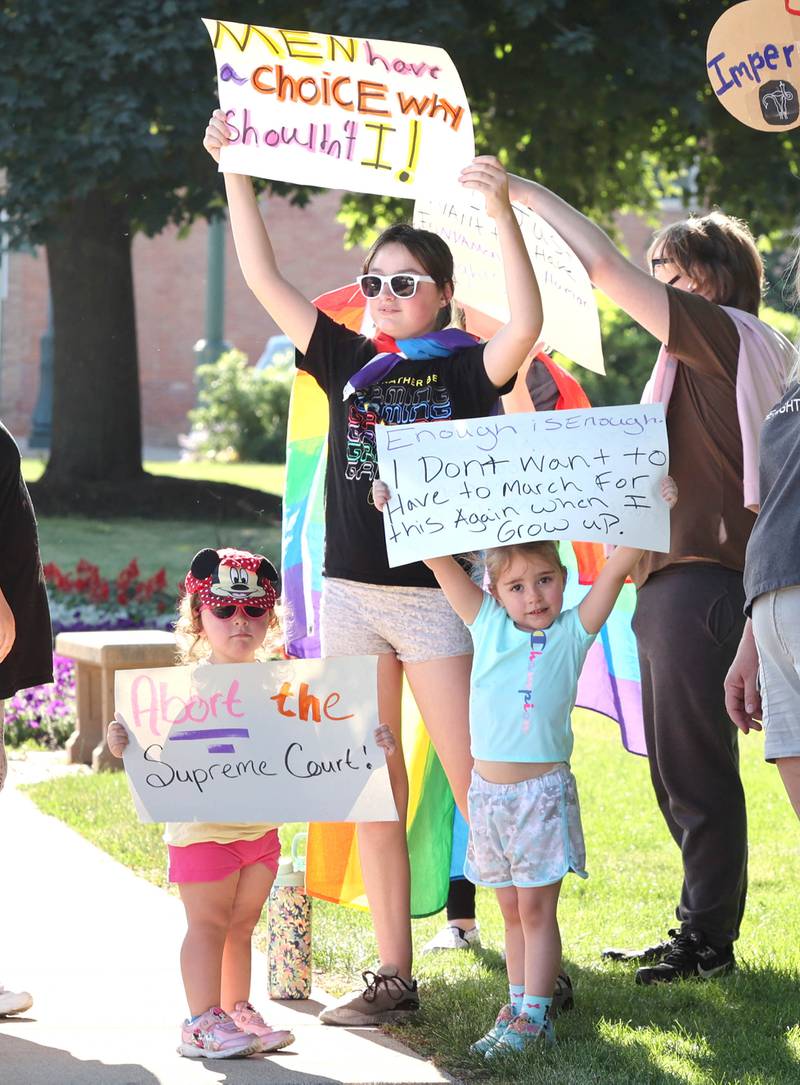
(414, 369)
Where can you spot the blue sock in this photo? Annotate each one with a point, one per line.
(516, 993)
(536, 1007)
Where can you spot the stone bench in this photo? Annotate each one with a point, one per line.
(97, 656)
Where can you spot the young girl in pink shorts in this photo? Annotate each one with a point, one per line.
(224, 872)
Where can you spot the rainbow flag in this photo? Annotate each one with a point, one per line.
(609, 683)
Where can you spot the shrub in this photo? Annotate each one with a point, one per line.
(242, 411)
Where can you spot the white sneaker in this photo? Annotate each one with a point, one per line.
(14, 1002)
(451, 937)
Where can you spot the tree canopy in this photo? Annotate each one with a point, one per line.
(607, 103)
(105, 104)
(603, 102)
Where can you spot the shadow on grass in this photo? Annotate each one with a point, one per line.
(729, 1030)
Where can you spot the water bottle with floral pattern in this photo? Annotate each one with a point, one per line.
(289, 951)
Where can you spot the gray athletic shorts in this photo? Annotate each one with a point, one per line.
(776, 626)
(417, 624)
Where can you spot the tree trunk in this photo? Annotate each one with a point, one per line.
(96, 413)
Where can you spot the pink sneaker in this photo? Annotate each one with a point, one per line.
(250, 1020)
(214, 1036)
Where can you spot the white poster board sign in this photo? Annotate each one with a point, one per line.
(571, 321)
(591, 475)
(255, 742)
(360, 114)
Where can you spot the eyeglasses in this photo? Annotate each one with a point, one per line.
(659, 261)
(224, 611)
(402, 286)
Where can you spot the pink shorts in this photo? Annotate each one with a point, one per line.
(211, 862)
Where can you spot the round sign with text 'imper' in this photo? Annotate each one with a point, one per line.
(753, 63)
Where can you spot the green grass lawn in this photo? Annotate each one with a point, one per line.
(112, 543)
(740, 1030)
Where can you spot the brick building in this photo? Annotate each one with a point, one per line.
(170, 287)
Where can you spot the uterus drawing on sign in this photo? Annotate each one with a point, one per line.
(538, 642)
(779, 102)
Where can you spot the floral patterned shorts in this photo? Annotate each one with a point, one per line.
(526, 834)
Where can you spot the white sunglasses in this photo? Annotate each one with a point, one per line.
(402, 286)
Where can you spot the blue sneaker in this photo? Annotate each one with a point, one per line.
(521, 1034)
(498, 1029)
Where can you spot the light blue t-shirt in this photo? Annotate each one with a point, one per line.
(523, 685)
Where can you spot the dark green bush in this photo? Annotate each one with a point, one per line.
(241, 412)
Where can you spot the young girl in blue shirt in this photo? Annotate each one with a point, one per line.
(525, 827)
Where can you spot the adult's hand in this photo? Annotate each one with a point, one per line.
(742, 696)
(8, 628)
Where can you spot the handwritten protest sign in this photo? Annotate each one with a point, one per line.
(571, 322)
(385, 117)
(753, 63)
(270, 742)
(587, 475)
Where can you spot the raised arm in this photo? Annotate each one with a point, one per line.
(639, 294)
(508, 348)
(598, 603)
(292, 312)
(596, 606)
(463, 594)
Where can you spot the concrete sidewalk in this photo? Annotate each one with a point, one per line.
(98, 947)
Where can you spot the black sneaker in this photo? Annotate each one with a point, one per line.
(645, 955)
(563, 997)
(690, 956)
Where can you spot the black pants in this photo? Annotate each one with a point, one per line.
(461, 899)
(688, 623)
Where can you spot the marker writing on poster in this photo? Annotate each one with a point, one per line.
(587, 475)
(294, 762)
(372, 116)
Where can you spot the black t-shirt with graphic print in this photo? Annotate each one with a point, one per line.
(30, 661)
(773, 552)
(421, 391)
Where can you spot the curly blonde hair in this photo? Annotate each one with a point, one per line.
(192, 643)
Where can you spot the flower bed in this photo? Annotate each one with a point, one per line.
(83, 600)
(45, 715)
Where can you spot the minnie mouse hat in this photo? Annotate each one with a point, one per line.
(232, 576)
